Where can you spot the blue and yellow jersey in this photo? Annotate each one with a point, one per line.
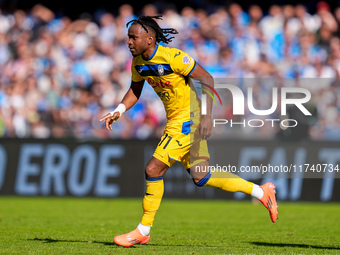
(167, 71)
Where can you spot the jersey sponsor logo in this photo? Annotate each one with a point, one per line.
(160, 70)
(177, 54)
(159, 84)
(178, 142)
(186, 60)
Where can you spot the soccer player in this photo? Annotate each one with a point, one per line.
(168, 71)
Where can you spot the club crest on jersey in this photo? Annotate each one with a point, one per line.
(186, 60)
(160, 70)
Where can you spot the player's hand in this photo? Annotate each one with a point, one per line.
(205, 127)
(109, 119)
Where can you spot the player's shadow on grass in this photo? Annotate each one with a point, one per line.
(307, 246)
(52, 240)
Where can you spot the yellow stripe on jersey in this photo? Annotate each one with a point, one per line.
(167, 71)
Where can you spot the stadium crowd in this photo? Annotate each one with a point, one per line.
(59, 76)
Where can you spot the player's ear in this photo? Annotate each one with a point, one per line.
(150, 39)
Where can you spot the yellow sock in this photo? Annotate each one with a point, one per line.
(152, 199)
(229, 182)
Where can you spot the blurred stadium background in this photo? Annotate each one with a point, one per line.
(64, 64)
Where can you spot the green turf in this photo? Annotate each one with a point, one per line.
(87, 226)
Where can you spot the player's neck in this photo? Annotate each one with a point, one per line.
(148, 54)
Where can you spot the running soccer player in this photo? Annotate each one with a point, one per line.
(168, 71)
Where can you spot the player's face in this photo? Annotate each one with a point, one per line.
(139, 40)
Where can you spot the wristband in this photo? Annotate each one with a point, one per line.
(121, 108)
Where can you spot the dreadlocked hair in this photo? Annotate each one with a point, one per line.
(162, 34)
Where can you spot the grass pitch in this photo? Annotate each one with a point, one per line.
(31, 225)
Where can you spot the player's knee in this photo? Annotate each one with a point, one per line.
(152, 170)
(198, 182)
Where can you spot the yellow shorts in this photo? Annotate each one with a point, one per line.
(181, 142)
